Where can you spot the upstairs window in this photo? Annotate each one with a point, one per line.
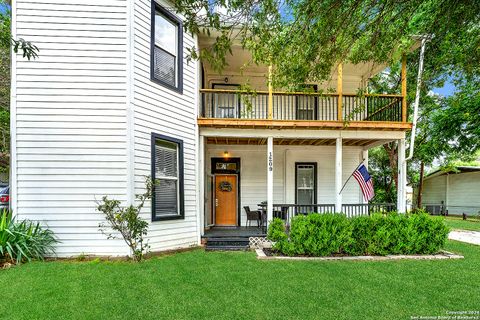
(167, 48)
(167, 172)
(307, 104)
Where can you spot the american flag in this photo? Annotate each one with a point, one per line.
(365, 181)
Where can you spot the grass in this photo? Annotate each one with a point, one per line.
(235, 285)
(456, 223)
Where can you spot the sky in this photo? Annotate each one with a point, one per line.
(447, 89)
(3, 7)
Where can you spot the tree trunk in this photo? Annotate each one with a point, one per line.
(420, 186)
(391, 149)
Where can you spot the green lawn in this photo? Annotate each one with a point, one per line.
(235, 285)
(457, 223)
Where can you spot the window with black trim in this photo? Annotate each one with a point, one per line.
(167, 172)
(167, 48)
(307, 105)
(305, 183)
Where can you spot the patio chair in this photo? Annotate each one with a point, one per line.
(252, 216)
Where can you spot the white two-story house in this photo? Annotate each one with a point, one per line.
(112, 100)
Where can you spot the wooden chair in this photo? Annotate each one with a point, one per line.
(252, 216)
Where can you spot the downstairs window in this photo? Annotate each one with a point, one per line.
(167, 173)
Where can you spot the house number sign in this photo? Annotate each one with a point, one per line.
(270, 161)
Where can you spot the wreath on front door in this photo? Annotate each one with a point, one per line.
(225, 186)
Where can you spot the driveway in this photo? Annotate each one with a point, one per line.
(472, 237)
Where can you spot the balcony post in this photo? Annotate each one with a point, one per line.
(269, 180)
(402, 177)
(338, 175)
(270, 94)
(404, 88)
(340, 92)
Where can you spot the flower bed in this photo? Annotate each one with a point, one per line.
(323, 235)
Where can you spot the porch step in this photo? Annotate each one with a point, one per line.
(226, 248)
(227, 243)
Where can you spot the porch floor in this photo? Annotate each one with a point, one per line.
(221, 232)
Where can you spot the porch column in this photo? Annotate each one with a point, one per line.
(364, 159)
(364, 156)
(338, 175)
(269, 179)
(447, 183)
(402, 177)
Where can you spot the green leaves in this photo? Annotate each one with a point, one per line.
(397, 234)
(28, 49)
(305, 39)
(24, 241)
(312, 235)
(276, 230)
(126, 221)
(379, 234)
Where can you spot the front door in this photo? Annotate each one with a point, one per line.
(225, 200)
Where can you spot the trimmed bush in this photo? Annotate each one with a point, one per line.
(316, 235)
(277, 231)
(379, 234)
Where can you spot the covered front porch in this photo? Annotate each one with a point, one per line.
(283, 173)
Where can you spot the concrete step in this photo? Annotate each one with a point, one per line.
(231, 241)
(227, 244)
(226, 248)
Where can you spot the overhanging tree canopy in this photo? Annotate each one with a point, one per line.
(305, 39)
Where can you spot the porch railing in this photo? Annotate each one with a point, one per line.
(234, 104)
(367, 208)
(454, 210)
(288, 211)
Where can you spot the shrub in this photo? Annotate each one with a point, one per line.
(276, 231)
(396, 233)
(25, 240)
(316, 235)
(127, 222)
(379, 234)
(363, 229)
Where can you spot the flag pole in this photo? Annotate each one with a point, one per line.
(351, 176)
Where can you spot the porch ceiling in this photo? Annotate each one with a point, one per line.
(281, 141)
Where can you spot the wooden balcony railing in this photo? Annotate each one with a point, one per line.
(233, 104)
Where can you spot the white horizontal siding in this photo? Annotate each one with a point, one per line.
(434, 190)
(463, 195)
(164, 111)
(253, 175)
(71, 120)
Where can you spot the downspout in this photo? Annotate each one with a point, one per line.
(417, 98)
